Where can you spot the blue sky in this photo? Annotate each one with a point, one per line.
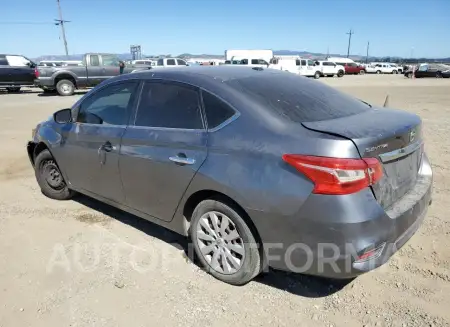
(396, 27)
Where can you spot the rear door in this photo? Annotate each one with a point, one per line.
(164, 148)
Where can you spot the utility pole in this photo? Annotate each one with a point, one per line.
(350, 33)
(61, 23)
(367, 53)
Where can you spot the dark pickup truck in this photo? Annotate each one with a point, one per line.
(95, 68)
(16, 71)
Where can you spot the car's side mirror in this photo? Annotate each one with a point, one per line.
(63, 116)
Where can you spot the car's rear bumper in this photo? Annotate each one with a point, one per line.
(44, 83)
(325, 241)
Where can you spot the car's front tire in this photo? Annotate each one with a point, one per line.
(224, 243)
(65, 87)
(340, 73)
(362, 72)
(49, 177)
(394, 72)
(317, 75)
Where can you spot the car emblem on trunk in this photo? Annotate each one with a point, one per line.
(412, 135)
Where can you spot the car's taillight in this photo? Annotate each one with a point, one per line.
(337, 175)
(36, 73)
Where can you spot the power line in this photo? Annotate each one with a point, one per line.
(350, 33)
(25, 23)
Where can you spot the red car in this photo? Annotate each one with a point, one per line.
(353, 68)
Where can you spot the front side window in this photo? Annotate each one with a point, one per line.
(244, 62)
(303, 62)
(311, 62)
(169, 106)
(3, 61)
(216, 110)
(108, 60)
(181, 62)
(171, 62)
(160, 62)
(109, 106)
(17, 61)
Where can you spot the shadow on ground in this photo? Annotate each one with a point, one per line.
(25, 91)
(301, 285)
(54, 94)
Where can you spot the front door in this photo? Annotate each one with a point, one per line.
(163, 150)
(90, 148)
(110, 66)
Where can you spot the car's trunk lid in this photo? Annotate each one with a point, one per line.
(394, 137)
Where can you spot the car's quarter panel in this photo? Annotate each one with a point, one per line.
(152, 182)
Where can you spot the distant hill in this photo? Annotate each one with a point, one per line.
(306, 54)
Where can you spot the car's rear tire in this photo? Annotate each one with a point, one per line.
(362, 72)
(317, 75)
(15, 89)
(438, 75)
(408, 75)
(378, 71)
(65, 87)
(224, 243)
(49, 177)
(394, 72)
(340, 73)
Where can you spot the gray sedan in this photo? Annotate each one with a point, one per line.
(260, 168)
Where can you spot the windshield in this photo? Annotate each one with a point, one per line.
(297, 98)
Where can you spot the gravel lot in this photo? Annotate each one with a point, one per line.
(81, 263)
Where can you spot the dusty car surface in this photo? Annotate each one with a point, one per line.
(258, 167)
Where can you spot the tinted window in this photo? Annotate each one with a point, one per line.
(171, 62)
(109, 105)
(303, 62)
(169, 106)
(296, 98)
(297, 62)
(3, 61)
(95, 61)
(216, 110)
(181, 62)
(244, 62)
(255, 61)
(160, 62)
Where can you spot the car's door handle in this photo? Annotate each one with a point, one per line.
(182, 160)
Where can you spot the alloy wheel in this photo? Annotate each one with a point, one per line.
(220, 243)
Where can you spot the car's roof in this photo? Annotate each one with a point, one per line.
(204, 74)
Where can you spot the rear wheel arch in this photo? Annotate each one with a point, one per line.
(199, 196)
(63, 76)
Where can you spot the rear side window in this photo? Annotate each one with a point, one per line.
(255, 61)
(160, 62)
(171, 62)
(216, 110)
(298, 99)
(169, 106)
(3, 61)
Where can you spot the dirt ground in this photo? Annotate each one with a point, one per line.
(80, 263)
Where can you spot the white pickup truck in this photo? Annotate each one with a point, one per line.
(382, 68)
(329, 68)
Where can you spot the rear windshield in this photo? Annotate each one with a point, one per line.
(298, 98)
